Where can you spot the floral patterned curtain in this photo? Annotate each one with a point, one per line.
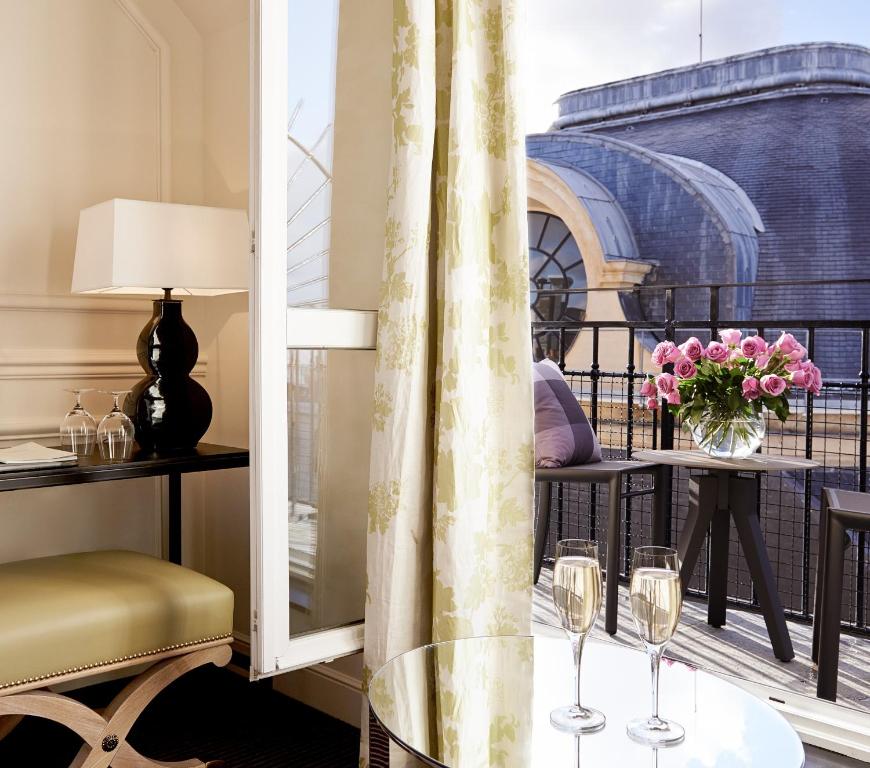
(451, 489)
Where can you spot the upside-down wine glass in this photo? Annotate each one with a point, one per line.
(577, 596)
(78, 430)
(115, 433)
(656, 602)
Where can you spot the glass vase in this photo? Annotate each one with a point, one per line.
(728, 437)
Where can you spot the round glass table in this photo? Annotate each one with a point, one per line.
(486, 702)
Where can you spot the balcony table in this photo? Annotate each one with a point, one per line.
(486, 702)
(92, 469)
(714, 498)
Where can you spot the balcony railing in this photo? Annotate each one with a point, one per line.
(604, 362)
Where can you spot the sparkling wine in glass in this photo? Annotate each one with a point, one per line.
(577, 596)
(656, 602)
(115, 433)
(78, 430)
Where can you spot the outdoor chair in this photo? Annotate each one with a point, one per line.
(841, 511)
(611, 473)
(71, 617)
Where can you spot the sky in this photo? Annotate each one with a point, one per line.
(572, 44)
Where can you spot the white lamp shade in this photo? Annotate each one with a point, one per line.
(139, 247)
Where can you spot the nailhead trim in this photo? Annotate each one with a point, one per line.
(96, 665)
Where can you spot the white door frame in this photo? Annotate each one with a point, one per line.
(270, 603)
(272, 649)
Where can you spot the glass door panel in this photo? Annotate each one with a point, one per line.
(312, 32)
(330, 420)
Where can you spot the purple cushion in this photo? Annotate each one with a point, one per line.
(563, 435)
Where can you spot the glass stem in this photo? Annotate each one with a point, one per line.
(655, 658)
(577, 646)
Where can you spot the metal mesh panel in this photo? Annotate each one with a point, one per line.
(830, 428)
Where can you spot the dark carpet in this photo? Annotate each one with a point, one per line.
(210, 714)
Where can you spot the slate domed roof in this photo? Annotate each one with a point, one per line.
(790, 128)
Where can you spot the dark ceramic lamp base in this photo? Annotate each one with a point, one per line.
(170, 410)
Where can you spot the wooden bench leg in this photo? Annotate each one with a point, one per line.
(105, 736)
(8, 724)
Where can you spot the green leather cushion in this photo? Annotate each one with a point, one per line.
(60, 614)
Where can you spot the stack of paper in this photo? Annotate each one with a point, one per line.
(34, 454)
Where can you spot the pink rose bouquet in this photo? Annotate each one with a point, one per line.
(731, 379)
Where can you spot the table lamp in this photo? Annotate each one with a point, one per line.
(147, 248)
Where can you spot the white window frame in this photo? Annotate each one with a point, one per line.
(275, 328)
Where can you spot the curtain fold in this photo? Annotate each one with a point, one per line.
(452, 461)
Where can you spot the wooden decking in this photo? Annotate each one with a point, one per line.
(740, 648)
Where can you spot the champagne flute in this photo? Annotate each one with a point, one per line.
(577, 595)
(78, 431)
(656, 602)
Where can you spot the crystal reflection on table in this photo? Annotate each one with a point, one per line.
(486, 702)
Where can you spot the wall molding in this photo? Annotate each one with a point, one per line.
(28, 302)
(159, 46)
(76, 364)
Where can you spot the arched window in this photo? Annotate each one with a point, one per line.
(555, 264)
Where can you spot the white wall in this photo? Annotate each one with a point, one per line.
(116, 98)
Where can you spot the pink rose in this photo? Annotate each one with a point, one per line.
(652, 404)
(751, 389)
(692, 348)
(685, 368)
(816, 386)
(730, 336)
(801, 378)
(716, 352)
(674, 397)
(648, 388)
(761, 361)
(753, 346)
(665, 352)
(666, 383)
(790, 347)
(773, 385)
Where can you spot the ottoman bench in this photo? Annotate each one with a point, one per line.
(74, 616)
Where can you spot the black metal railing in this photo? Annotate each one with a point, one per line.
(606, 366)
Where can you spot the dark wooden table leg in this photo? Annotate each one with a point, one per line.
(702, 506)
(661, 506)
(819, 602)
(720, 534)
(175, 518)
(611, 583)
(542, 527)
(745, 513)
(830, 616)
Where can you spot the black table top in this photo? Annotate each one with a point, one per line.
(92, 469)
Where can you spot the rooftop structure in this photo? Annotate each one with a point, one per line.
(750, 168)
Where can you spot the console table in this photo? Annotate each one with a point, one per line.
(92, 469)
